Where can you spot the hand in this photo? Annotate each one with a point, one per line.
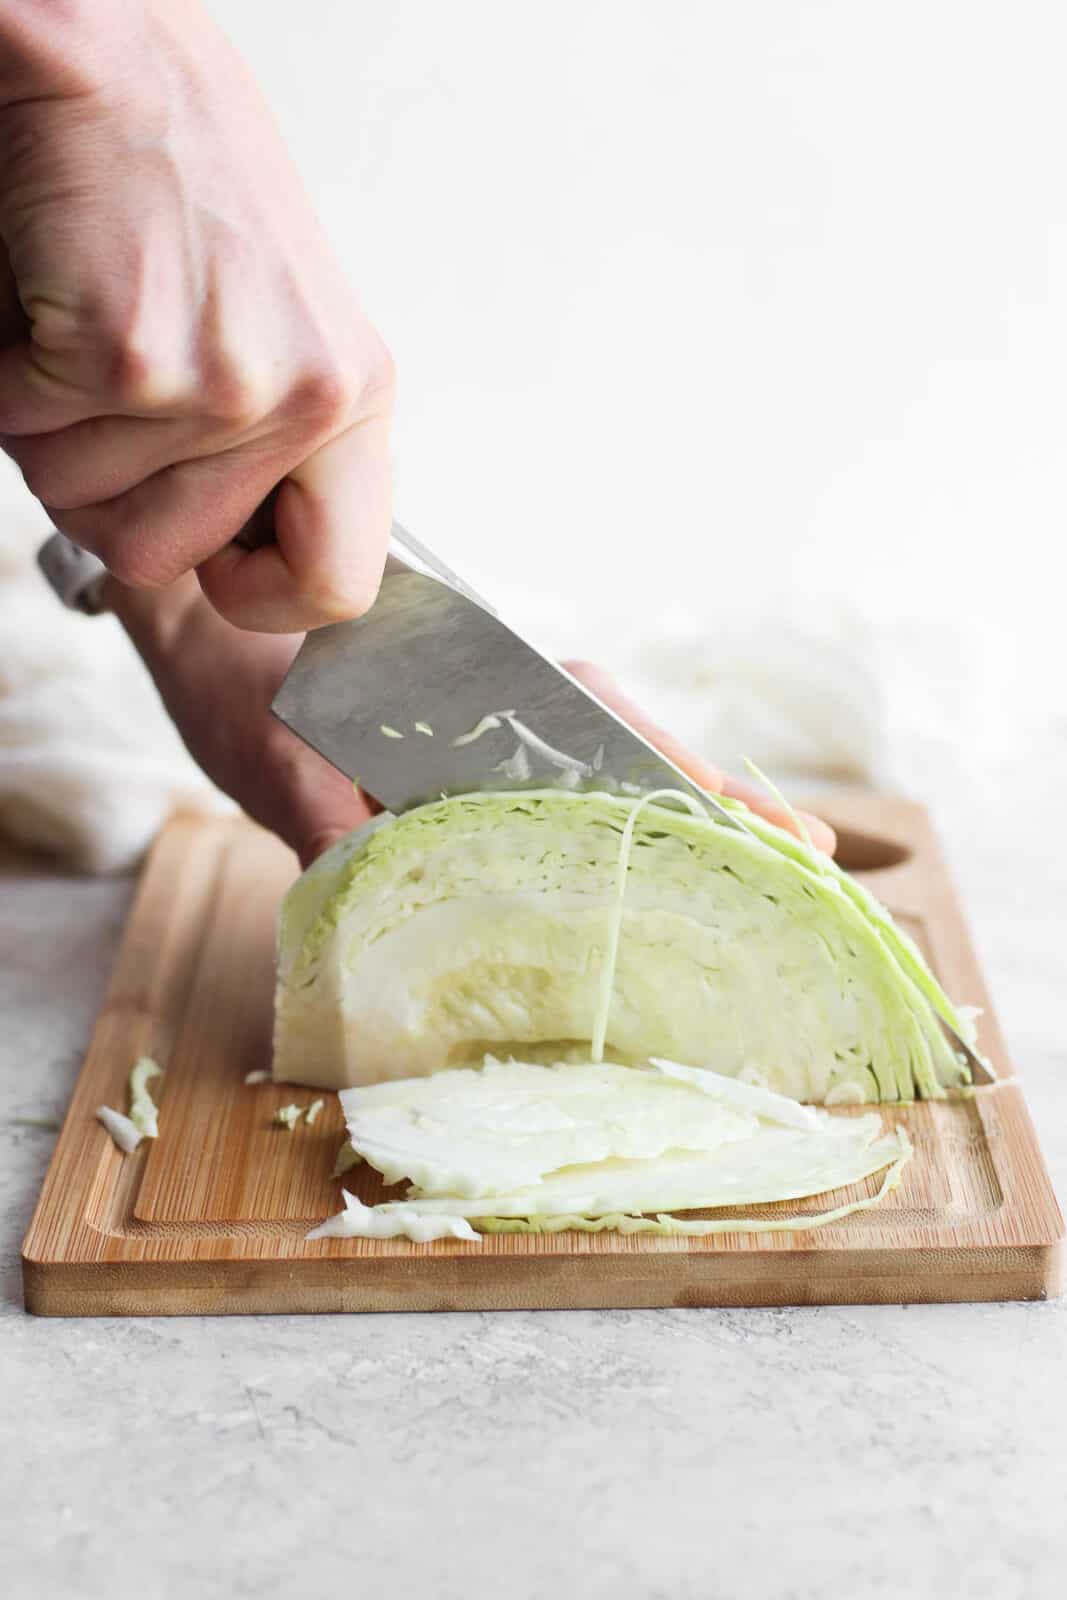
(701, 772)
(177, 339)
(217, 682)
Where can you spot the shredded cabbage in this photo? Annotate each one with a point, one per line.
(144, 1113)
(288, 1116)
(347, 1158)
(125, 1133)
(607, 971)
(521, 1146)
(797, 820)
(486, 724)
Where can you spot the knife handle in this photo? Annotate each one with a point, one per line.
(259, 529)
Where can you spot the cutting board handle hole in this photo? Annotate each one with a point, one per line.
(868, 852)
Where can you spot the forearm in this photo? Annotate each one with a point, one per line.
(153, 618)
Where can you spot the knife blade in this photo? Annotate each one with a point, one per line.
(430, 693)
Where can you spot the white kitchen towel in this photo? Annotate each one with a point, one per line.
(90, 764)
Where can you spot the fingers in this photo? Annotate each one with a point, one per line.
(702, 773)
(823, 836)
(14, 323)
(217, 684)
(33, 400)
(102, 458)
(105, 484)
(304, 800)
(606, 689)
(174, 520)
(332, 519)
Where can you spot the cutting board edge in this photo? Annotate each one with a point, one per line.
(427, 1283)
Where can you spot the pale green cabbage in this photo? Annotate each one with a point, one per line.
(481, 1132)
(521, 1147)
(144, 1113)
(484, 922)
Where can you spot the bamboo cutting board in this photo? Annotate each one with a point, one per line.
(211, 1216)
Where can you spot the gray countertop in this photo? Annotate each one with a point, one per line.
(789, 1453)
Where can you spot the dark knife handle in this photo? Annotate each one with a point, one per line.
(259, 529)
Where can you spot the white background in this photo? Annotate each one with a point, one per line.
(720, 322)
(732, 343)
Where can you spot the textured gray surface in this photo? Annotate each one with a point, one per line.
(795, 1454)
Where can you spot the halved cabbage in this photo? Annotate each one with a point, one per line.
(482, 923)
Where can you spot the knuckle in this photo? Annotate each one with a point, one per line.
(140, 372)
(138, 356)
(333, 392)
(235, 400)
(324, 396)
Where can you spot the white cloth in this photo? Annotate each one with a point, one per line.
(90, 764)
(861, 692)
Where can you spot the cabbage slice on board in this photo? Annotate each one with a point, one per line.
(509, 1124)
(485, 1127)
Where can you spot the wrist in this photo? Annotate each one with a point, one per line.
(153, 618)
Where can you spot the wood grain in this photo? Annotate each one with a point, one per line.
(211, 1217)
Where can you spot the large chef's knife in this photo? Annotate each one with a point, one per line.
(430, 693)
(421, 696)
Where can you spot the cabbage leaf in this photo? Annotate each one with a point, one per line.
(631, 1146)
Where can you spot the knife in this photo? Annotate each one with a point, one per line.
(430, 646)
(431, 693)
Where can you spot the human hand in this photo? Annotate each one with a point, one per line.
(217, 683)
(702, 772)
(177, 339)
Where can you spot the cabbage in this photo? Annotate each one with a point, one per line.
(472, 1133)
(144, 1113)
(126, 1134)
(143, 1120)
(484, 923)
(346, 1159)
(519, 1146)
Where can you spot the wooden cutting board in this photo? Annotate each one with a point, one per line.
(211, 1216)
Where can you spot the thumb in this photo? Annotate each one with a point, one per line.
(332, 517)
(304, 800)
